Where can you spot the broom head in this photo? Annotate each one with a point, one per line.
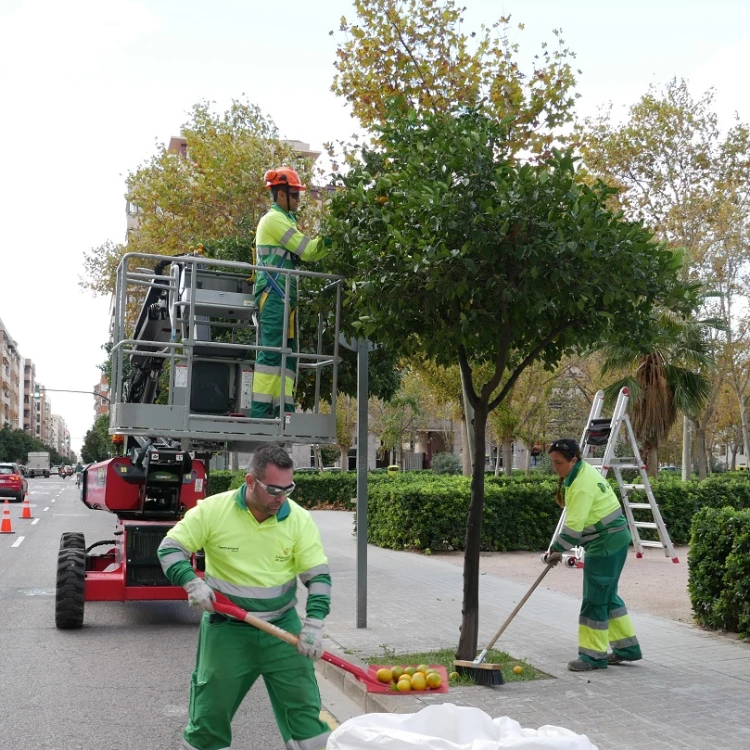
(481, 674)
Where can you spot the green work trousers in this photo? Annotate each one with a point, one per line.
(604, 619)
(267, 374)
(231, 657)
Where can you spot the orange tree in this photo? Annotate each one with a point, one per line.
(455, 250)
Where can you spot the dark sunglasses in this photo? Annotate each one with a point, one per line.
(274, 491)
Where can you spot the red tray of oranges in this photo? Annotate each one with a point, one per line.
(421, 678)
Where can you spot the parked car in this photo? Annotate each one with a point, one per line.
(13, 484)
(54, 470)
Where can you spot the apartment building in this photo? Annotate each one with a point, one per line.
(11, 372)
(101, 402)
(29, 406)
(60, 435)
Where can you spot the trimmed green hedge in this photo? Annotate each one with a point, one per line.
(423, 510)
(432, 515)
(719, 569)
(218, 481)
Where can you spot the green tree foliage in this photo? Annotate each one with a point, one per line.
(212, 194)
(667, 380)
(446, 463)
(418, 50)
(453, 250)
(16, 444)
(97, 443)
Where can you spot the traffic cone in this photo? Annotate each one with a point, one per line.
(26, 512)
(5, 527)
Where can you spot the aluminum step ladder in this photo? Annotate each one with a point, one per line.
(602, 431)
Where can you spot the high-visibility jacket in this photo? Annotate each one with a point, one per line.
(254, 564)
(280, 244)
(593, 515)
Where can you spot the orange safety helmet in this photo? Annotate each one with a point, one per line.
(284, 176)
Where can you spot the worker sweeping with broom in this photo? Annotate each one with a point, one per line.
(594, 520)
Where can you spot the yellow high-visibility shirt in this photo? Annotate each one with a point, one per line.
(254, 564)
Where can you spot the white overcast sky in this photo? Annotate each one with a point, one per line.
(90, 86)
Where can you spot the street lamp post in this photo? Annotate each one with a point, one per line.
(38, 394)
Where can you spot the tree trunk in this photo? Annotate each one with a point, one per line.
(497, 461)
(467, 644)
(465, 457)
(735, 448)
(344, 458)
(652, 462)
(318, 455)
(700, 449)
(687, 444)
(507, 457)
(745, 429)
(234, 461)
(527, 462)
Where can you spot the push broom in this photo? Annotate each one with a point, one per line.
(480, 671)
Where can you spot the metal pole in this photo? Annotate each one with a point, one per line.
(362, 418)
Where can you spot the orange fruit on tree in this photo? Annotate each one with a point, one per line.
(434, 680)
(418, 682)
(384, 675)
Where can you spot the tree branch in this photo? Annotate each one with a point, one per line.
(528, 360)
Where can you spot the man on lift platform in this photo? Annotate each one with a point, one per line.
(280, 244)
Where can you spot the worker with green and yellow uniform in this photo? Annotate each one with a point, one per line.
(594, 520)
(257, 542)
(279, 244)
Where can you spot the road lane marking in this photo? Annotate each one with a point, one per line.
(18, 541)
(53, 500)
(36, 520)
(47, 508)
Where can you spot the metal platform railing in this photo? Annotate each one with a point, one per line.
(189, 306)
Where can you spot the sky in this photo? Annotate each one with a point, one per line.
(88, 88)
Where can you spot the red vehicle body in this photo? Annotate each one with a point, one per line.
(12, 482)
(148, 498)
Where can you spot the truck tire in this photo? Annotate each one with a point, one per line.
(69, 593)
(72, 540)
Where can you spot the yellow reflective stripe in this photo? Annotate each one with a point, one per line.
(263, 298)
(593, 640)
(621, 627)
(270, 385)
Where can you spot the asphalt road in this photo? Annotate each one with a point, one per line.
(119, 683)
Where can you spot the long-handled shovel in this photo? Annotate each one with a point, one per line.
(367, 678)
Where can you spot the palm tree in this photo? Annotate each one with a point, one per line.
(669, 378)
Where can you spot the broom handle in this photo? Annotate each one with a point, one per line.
(518, 607)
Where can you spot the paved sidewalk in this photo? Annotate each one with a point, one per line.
(692, 689)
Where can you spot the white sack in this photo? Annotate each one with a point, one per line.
(449, 727)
